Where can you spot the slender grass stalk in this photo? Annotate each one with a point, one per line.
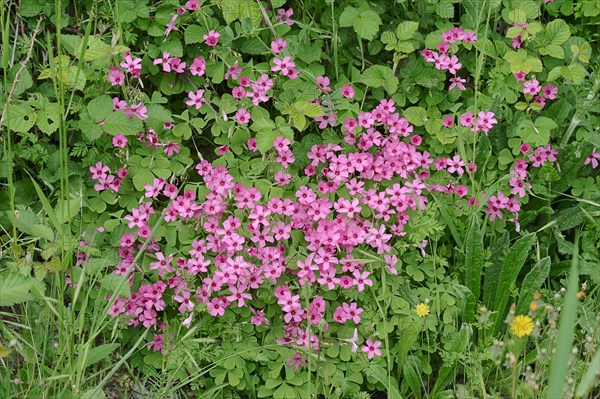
(559, 368)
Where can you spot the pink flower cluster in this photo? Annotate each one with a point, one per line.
(540, 94)
(446, 61)
(106, 181)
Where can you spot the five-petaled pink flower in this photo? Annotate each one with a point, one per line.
(371, 348)
(212, 38)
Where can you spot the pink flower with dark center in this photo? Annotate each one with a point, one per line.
(277, 46)
(119, 141)
(212, 38)
(196, 99)
(198, 66)
(520, 76)
(116, 76)
(549, 91)
(348, 91)
(242, 116)
(371, 348)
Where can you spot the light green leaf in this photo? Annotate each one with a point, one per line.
(193, 34)
(406, 30)
(111, 282)
(100, 107)
(445, 9)
(367, 24)
(20, 118)
(48, 119)
(416, 115)
(348, 16)
(118, 123)
(557, 32)
(16, 288)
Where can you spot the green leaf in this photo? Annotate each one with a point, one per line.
(445, 9)
(16, 288)
(48, 119)
(99, 353)
(379, 75)
(513, 262)
(367, 24)
(557, 32)
(100, 107)
(532, 282)
(112, 282)
(406, 30)
(118, 123)
(566, 327)
(416, 115)
(20, 118)
(348, 16)
(142, 177)
(521, 61)
(193, 34)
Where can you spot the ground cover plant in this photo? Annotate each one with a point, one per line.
(248, 199)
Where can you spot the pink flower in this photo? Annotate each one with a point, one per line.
(222, 150)
(448, 121)
(285, 16)
(119, 141)
(593, 159)
(467, 119)
(371, 348)
(252, 144)
(348, 91)
(520, 76)
(461, 190)
(233, 71)
(242, 116)
(198, 66)
(116, 76)
(532, 87)
(196, 99)
(212, 38)
(457, 81)
(277, 46)
(192, 5)
(549, 91)
(525, 148)
(132, 65)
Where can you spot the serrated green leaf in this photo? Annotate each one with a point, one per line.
(367, 24)
(406, 30)
(100, 107)
(118, 123)
(416, 115)
(20, 118)
(193, 34)
(48, 119)
(557, 32)
(16, 288)
(445, 9)
(348, 16)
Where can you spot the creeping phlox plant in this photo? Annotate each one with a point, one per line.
(326, 225)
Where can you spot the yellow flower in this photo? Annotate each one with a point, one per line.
(422, 309)
(523, 325)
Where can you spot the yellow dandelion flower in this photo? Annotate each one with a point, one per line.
(522, 326)
(422, 309)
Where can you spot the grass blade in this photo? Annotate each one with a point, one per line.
(566, 327)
